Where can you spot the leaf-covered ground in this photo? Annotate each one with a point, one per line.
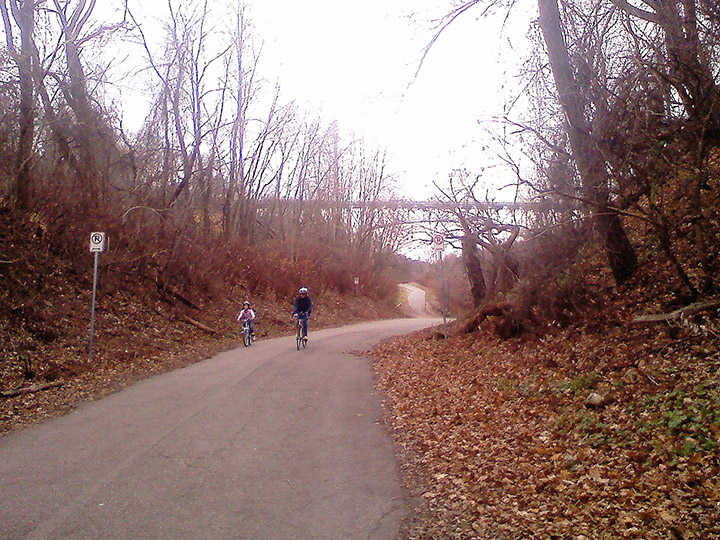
(500, 439)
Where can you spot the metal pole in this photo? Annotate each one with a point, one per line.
(442, 294)
(92, 310)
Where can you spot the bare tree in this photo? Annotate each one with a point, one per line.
(482, 232)
(87, 129)
(687, 66)
(590, 163)
(190, 108)
(72, 23)
(23, 12)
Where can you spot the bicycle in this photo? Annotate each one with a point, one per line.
(301, 339)
(247, 333)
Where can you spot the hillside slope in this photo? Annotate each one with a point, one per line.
(601, 430)
(141, 328)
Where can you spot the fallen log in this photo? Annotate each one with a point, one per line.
(180, 296)
(678, 313)
(199, 325)
(167, 289)
(30, 389)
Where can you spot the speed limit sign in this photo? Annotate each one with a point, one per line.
(97, 242)
(438, 242)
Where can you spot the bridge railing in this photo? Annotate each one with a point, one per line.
(402, 204)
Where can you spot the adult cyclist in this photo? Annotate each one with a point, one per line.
(302, 308)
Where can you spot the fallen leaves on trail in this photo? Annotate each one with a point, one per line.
(500, 440)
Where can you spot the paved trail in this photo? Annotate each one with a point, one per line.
(415, 300)
(259, 443)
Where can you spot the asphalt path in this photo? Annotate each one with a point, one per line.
(260, 443)
(416, 304)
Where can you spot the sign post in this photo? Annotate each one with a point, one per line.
(97, 246)
(438, 243)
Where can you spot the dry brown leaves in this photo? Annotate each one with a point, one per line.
(498, 441)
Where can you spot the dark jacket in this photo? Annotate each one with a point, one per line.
(302, 305)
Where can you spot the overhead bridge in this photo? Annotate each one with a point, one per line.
(401, 204)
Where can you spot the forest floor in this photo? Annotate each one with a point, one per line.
(602, 430)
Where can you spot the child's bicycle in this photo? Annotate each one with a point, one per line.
(247, 333)
(300, 338)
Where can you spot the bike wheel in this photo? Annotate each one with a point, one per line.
(298, 337)
(304, 342)
(246, 338)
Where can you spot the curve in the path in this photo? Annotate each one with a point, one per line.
(415, 305)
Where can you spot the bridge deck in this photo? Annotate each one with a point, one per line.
(405, 204)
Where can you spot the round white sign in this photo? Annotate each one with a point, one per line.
(97, 242)
(438, 242)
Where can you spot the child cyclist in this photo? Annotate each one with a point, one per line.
(248, 314)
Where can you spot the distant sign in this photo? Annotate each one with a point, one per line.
(438, 242)
(97, 242)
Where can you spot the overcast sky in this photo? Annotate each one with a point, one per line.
(355, 62)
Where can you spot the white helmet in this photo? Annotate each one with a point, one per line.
(303, 290)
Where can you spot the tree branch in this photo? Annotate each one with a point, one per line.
(637, 12)
(30, 389)
(678, 313)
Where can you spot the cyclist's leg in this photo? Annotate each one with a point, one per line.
(305, 321)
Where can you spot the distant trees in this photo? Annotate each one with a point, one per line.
(221, 157)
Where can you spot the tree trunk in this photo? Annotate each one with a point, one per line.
(591, 167)
(620, 253)
(473, 267)
(27, 105)
(692, 75)
(24, 15)
(85, 132)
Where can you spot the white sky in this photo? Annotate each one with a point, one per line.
(355, 62)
